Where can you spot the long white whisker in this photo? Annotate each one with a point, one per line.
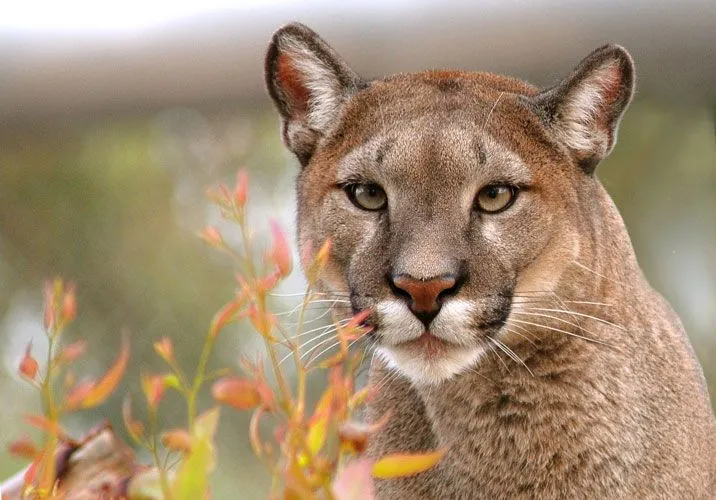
(498, 356)
(578, 264)
(510, 353)
(329, 330)
(523, 336)
(577, 314)
(560, 330)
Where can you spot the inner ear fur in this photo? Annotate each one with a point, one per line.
(309, 84)
(584, 109)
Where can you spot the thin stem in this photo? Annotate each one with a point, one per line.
(154, 450)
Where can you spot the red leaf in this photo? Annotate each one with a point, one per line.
(280, 251)
(241, 191)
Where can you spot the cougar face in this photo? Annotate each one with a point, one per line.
(429, 220)
(443, 193)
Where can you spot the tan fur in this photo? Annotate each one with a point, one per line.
(601, 396)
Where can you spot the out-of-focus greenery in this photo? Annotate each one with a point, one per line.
(114, 204)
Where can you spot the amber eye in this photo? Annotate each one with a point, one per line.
(367, 196)
(495, 198)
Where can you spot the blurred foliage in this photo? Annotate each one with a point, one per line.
(114, 204)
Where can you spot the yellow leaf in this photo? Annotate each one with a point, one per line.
(319, 426)
(402, 465)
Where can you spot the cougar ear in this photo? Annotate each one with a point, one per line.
(309, 84)
(584, 109)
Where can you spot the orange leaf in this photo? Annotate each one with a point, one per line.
(28, 365)
(50, 301)
(100, 390)
(212, 236)
(403, 465)
(225, 316)
(69, 304)
(153, 388)
(44, 424)
(177, 440)
(78, 394)
(23, 448)
(237, 392)
(31, 472)
(135, 428)
(73, 351)
(314, 269)
(165, 349)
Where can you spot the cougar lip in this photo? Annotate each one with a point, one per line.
(428, 342)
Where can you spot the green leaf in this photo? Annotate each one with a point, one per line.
(192, 479)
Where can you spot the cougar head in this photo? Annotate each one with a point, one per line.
(445, 194)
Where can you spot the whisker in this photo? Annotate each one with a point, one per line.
(302, 294)
(498, 356)
(560, 330)
(329, 330)
(578, 314)
(315, 358)
(555, 318)
(523, 336)
(332, 325)
(579, 264)
(510, 353)
(322, 342)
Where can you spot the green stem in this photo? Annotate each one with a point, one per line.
(198, 380)
(154, 450)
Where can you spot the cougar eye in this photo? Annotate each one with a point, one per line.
(367, 196)
(495, 198)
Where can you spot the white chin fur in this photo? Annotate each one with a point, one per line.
(430, 371)
(398, 325)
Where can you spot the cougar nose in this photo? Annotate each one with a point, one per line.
(424, 295)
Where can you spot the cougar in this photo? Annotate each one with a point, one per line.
(511, 322)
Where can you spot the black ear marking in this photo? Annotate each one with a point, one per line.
(584, 110)
(309, 84)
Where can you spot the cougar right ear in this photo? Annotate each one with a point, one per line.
(309, 84)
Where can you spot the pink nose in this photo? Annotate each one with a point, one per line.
(424, 294)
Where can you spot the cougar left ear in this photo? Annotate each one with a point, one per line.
(309, 84)
(584, 109)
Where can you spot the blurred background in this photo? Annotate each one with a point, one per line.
(116, 117)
